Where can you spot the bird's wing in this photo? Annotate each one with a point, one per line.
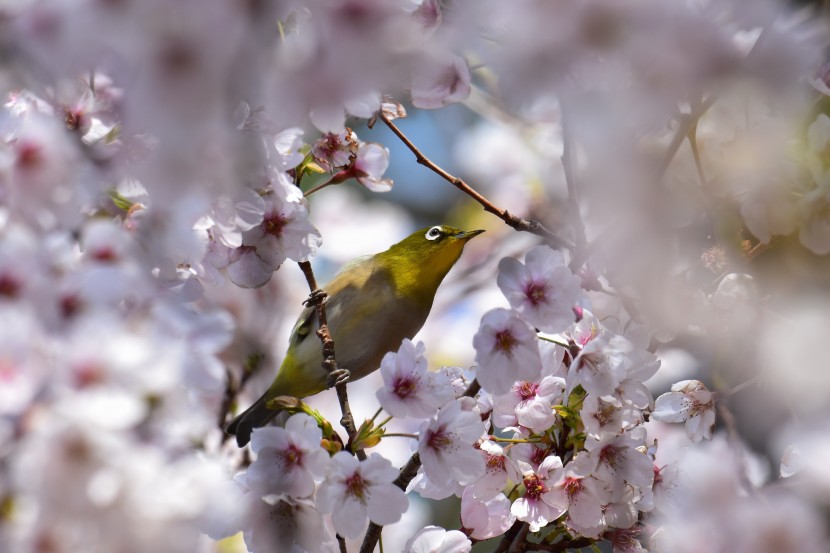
(305, 323)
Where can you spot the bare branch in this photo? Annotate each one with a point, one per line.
(318, 299)
(513, 221)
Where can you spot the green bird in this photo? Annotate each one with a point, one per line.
(373, 304)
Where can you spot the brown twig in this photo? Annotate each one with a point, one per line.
(519, 542)
(513, 221)
(508, 537)
(318, 299)
(558, 547)
(405, 476)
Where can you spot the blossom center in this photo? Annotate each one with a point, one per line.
(527, 390)
(697, 407)
(293, 456)
(536, 293)
(505, 341)
(9, 286)
(573, 486)
(496, 462)
(610, 455)
(274, 223)
(88, 374)
(404, 387)
(356, 486)
(439, 439)
(605, 414)
(28, 155)
(104, 254)
(534, 486)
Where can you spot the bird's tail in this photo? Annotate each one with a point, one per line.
(254, 416)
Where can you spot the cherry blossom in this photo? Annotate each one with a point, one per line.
(602, 364)
(433, 539)
(543, 290)
(358, 491)
(410, 390)
(438, 84)
(485, 518)
(540, 504)
(499, 470)
(529, 404)
(289, 460)
(285, 233)
(506, 351)
(691, 402)
(619, 463)
(333, 151)
(274, 523)
(582, 495)
(446, 447)
(370, 165)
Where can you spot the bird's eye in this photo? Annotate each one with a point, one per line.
(433, 233)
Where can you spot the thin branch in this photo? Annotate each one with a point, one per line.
(519, 542)
(513, 221)
(318, 299)
(687, 122)
(405, 476)
(561, 546)
(509, 536)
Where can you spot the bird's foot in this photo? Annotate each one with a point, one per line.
(316, 297)
(338, 377)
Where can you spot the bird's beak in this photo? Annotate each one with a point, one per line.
(466, 235)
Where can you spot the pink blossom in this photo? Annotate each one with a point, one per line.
(437, 84)
(499, 470)
(446, 446)
(691, 402)
(529, 404)
(289, 460)
(485, 518)
(333, 151)
(410, 390)
(618, 462)
(355, 491)
(433, 539)
(540, 504)
(543, 289)
(506, 351)
(370, 165)
(583, 497)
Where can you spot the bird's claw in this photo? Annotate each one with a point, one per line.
(338, 377)
(316, 297)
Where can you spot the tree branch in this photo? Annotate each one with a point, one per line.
(513, 221)
(317, 298)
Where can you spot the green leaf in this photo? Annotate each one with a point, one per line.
(120, 201)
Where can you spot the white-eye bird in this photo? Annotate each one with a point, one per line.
(373, 304)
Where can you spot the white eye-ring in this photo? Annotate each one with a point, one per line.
(433, 233)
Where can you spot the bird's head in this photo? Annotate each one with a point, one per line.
(422, 259)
